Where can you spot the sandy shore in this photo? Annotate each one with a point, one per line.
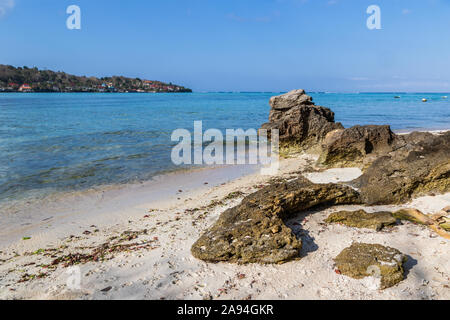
(167, 216)
(59, 213)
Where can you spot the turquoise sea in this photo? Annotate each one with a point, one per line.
(60, 142)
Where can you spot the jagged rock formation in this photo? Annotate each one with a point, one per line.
(419, 166)
(397, 167)
(362, 260)
(362, 219)
(254, 231)
(349, 147)
(299, 121)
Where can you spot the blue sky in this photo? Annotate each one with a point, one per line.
(238, 45)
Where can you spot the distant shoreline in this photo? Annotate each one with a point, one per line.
(33, 80)
(28, 92)
(226, 92)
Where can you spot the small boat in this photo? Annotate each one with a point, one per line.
(397, 97)
(424, 100)
(444, 97)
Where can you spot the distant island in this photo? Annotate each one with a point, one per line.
(24, 79)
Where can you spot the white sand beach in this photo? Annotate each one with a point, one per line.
(174, 210)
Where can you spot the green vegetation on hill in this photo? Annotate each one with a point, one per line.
(33, 80)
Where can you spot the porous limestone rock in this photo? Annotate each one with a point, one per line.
(291, 99)
(349, 147)
(418, 167)
(362, 260)
(397, 167)
(254, 231)
(362, 219)
(299, 121)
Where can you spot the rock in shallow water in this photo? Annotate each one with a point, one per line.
(397, 167)
(254, 231)
(362, 219)
(291, 99)
(362, 260)
(299, 121)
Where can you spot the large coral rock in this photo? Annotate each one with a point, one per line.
(362, 219)
(420, 165)
(291, 99)
(351, 146)
(299, 121)
(254, 231)
(362, 260)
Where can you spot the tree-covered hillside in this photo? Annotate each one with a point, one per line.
(33, 80)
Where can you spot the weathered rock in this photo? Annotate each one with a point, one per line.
(291, 99)
(419, 165)
(401, 166)
(362, 219)
(362, 260)
(349, 147)
(254, 231)
(299, 121)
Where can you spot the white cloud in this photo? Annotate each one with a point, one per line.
(358, 79)
(406, 11)
(5, 6)
(261, 19)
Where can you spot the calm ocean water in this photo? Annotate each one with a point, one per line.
(58, 142)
